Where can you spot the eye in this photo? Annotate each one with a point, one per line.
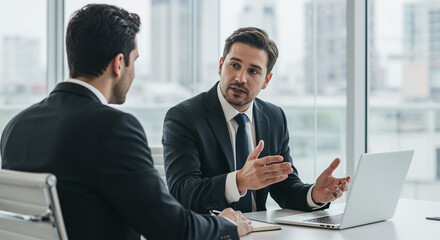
(254, 71)
(234, 65)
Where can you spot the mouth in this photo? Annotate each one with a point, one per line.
(236, 90)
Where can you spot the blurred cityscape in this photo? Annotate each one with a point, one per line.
(182, 44)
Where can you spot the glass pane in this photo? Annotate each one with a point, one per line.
(178, 55)
(404, 67)
(23, 40)
(309, 78)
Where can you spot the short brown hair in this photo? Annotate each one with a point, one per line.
(254, 37)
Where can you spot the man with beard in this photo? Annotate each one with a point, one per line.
(207, 140)
(107, 185)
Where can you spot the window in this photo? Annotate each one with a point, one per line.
(181, 41)
(405, 87)
(309, 80)
(180, 44)
(23, 49)
(178, 47)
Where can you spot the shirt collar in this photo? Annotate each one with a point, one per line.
(229, 111)
(98, 94)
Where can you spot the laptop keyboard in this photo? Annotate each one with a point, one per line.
(335, 219)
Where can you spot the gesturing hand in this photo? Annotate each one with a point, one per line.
(259, 172)
(327, 187)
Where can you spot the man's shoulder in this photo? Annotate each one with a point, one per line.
(108, 110)
(194, 104)
(113, 116)
(267, 106)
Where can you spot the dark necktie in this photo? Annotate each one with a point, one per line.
(241, 154)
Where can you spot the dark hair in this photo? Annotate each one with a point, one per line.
(254, 37)
(95, 35)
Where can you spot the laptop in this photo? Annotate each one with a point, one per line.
(373, 197)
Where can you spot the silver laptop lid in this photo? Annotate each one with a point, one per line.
(376, 187)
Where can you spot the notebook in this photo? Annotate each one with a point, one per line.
(258, 226)
(374, 193)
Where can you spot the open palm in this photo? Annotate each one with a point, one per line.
(327, 187)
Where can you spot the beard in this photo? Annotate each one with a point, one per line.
(119, 93)
(235, 101)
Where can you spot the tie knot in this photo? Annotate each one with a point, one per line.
(240, 119)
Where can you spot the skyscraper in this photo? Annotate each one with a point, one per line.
(261, 14)
(326, 47)
(21, 59)
(422, 46)
(183, 34)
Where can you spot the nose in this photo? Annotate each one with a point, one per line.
(241, 77)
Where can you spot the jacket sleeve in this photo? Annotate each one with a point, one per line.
(133, 187)
(183, 165)
(292, 192)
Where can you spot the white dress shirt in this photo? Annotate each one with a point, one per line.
(231, 190)
(98, 94)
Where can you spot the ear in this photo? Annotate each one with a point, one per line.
(220, 65)
(267, 80)
(117, 65)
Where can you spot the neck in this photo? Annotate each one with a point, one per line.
(102, 83)
(242, 108)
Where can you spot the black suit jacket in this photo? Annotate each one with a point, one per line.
(198, 154)
(107, 186)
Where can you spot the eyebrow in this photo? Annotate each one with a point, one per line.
(252, 65)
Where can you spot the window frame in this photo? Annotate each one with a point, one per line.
(357, 82)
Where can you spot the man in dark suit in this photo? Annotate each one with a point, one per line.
(207, 140)
(107, 186)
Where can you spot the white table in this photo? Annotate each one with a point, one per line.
(408, 223)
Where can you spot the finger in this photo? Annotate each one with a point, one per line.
(344, 188)
(242, 218)
(257, 150)
(332, 167)
(274, 174)
(329, 195)
(335, 188)
(278, 167)
(249, 226)
(270, 181)
(338, 193)
(343, 183)
(346, 179)
(270, 159)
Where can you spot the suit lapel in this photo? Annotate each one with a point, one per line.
(262, 128)
(262, 131)
(216, 120)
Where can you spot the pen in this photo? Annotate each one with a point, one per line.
(214, 212)
(433, 218)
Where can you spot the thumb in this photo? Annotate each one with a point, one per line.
(332, 167)
(257, 150)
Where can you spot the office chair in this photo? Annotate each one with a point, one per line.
(29, 207)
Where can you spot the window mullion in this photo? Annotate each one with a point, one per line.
(55, 20)
(356, 82)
